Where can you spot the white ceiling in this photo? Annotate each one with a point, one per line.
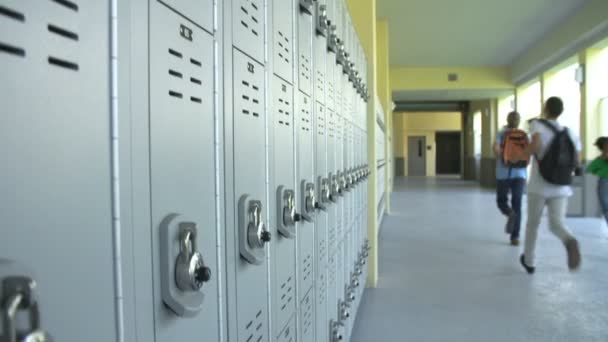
(439, 33)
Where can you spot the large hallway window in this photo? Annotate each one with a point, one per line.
(529, 102)
(563, 84)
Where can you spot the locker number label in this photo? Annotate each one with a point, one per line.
(185, 32)
(250, 68)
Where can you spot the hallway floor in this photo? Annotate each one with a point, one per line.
(447, 273)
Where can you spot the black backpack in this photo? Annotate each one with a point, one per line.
(559, 163)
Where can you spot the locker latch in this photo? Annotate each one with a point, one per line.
(286, 212)
(322, 21)
(308, 200)
(335, 189)
(342, 184)
(257, 234)
(340, 52)
(332, 40)
(19, 295)
(306, 6)
(337, 331)
(344, 310)
(190, 269)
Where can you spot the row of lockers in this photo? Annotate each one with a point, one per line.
(182, 170)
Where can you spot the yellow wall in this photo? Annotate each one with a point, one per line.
(427, 125)
(363, 14)
(384, 89)
(437, 78)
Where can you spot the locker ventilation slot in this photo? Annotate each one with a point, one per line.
(283, 47)
(180, 76)
(322, 290)
(286, 293)
(13, 50)
(307, 267)
(307, 316)
(254, 328)
(250, 99)
(286, 336)
(7, 12)
(305, 67)
(250, 18)
(67, 4)
(11, 15)
(63, 63)
(62, 32)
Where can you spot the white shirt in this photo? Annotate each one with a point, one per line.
(537, 184)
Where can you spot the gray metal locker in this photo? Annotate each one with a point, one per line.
(283, 46)
(56, 181)
(321, 223)
(283, 204)
(200, 12)
(289, 334)
(248, 21)
(182, 177)
(306, 194)
(331, 175)
(250, 191)
(304, 69)
(320, 52)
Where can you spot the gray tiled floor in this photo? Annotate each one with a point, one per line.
(448, 274)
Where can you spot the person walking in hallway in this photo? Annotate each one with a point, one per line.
(599, 167)
(556, 151)
(511, 174)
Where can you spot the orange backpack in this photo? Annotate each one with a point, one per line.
(513, 143)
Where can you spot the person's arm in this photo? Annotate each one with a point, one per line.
(533, 147)
(497, 149)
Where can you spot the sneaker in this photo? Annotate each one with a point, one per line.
(529, 269)
(510, 226)
(514, 242)
(574, 254)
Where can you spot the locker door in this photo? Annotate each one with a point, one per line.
(305, 53)
(283, 39)
(331, 176)
(56, 201)
(320, 52)
(321, 223)
(183, 176)
(307, 320)
(248, 27)
(199, 12)
(250, 190)
(306, 195)
(283, 199)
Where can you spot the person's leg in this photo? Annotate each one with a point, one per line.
(536, 204)
(502, 196)
(602, 189)
(557, 217)
(517, 192)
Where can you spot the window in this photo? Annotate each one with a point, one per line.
(563, 84)
(477, 130)
(603, 113)
(505, 106)
(529, 102)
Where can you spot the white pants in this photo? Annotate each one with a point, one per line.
(557, 207)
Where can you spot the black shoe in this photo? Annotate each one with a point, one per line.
(510, 226)
(529, 269)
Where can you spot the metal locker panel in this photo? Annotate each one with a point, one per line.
(289, 334)
(331, 174)
(330, 84)
(199, 12)
(332, 289)
(305, 180)
(248, 20)
(249, 184)
(182, 168)
(320, 51)
(283, 39)
(307, 319)
(305, 53)
(56, 177)
(322, 186)
(284, 257)
(321, 319)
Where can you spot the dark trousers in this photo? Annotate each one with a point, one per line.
(602, 191)
(516, 187)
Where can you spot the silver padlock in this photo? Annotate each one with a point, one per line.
(325, 191)
(190, 270)
(310, 198)
(337, 331)
(257, 234)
